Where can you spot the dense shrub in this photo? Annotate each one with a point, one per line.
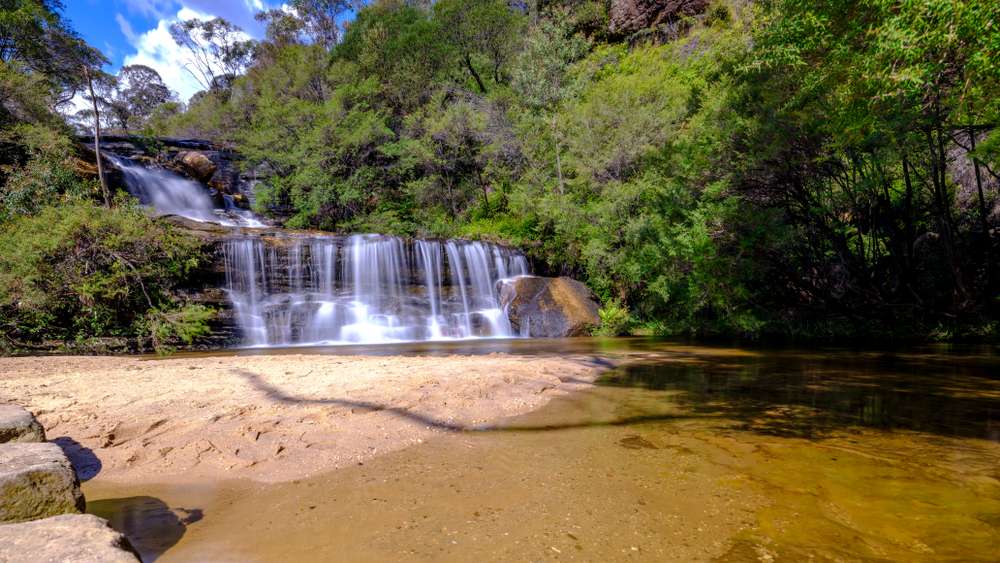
(77, 271)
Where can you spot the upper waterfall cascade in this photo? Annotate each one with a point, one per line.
(170, 193)
(297, 288)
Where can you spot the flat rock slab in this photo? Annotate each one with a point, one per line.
(80, 538)
(36, 481)
(19, 425)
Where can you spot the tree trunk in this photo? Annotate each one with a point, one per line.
(983, 216)
(472, 69)
(935, 146)
(555, 138)
(908, 218)
(482, 186)
(97, 140)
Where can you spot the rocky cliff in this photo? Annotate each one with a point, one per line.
(632, 16)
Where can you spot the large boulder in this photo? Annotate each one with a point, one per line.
(19, 425)
(630, 16)
(198, 165)
(549, 307)
(37, 481)
(81, 538)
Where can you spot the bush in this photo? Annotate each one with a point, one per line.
(615, 320)
(80, 271)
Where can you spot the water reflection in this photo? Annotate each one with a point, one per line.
(802, 395)
(151, 526)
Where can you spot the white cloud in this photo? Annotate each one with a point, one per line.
(126, 28)
(157, 50)
(157, 9)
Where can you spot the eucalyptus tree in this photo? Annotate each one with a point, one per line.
(218, 50)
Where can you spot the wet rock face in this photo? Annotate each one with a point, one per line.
(83, 538)
(19, 425)
(36, 481)
(549, 307)
(630, 16)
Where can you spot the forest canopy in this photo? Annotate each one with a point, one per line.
(806, 169)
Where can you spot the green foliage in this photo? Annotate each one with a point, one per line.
(790, 167)
(77, 271)
(44, 176)
(615, 321)
(184, 324)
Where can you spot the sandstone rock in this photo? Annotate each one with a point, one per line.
(630, 16)
(198, 165)
(36, 481)
(19, 425)
(549, 307)
(81, 538)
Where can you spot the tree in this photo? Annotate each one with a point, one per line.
(539, 74)
(400, 47)
(320, 19)
(97, 140)
(219, 50)
(35, 37)
(138, 91)
(485, 30)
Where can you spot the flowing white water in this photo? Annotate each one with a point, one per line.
(366, 289)
(169, 193)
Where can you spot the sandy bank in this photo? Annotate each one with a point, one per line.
(270, 418)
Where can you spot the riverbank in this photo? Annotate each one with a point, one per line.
(271, 418)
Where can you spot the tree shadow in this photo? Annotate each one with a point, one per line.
(150, 525)
(277, 395)
(794, 394)
(85, 463)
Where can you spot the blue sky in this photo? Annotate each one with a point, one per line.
(136, 31)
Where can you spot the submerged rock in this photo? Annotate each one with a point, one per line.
(36, 481)
(82, 538)
(549, 307)
(19, 425)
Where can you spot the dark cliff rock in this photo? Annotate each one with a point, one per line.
(632, 16)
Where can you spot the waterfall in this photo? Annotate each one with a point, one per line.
(169, 193)
(291, 289)
(366, 289)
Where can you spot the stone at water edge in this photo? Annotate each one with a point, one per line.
(37, 481)
(81, 538)
(19, 425)
(549, 307)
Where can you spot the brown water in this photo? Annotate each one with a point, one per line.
(688, 454)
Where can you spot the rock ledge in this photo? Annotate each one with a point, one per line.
(36, 481)
(19, 425)
(81, 538)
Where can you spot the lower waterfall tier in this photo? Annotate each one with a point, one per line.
(366, 289)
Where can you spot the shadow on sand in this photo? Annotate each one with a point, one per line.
(84, 461)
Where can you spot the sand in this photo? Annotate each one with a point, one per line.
(270, 418)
